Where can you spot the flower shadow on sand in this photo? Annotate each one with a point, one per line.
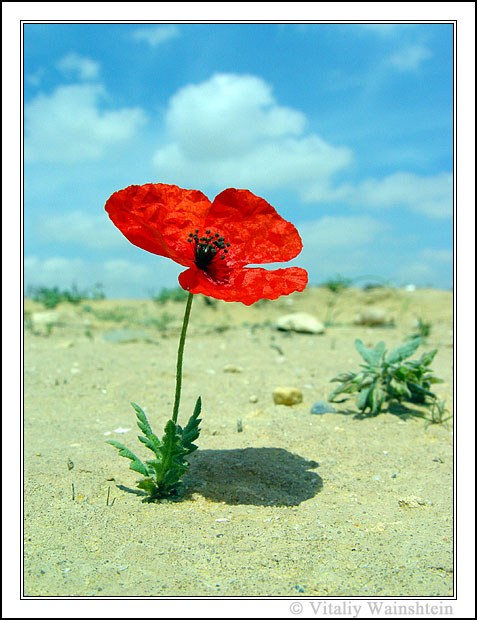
(255, 476)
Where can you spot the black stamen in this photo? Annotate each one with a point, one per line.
(207, 248)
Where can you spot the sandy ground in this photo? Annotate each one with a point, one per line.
(294, 505)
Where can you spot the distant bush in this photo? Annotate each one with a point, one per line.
(170, 294)
(50, 297)
(337, 284)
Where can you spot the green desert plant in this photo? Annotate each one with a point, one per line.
(438, 411)
(170, 294)
(162, 475)
(422, 330)
(336, 285)
(389, 376)
(50, 297)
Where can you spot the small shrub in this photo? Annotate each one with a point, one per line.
(338, 284)
(170, 294)
(387, 377)
(50, 297)
(422, 330)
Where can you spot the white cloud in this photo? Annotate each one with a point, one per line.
(339, 232)
(77, 227)
(230, 130)
(155, 35)
(78, 67)
(348, 245)
(431, 195)
(428, 266)
(410, 57)
(69, 126)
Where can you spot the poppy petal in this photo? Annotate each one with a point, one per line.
(256, 232)
(246, 285)
(159, 217)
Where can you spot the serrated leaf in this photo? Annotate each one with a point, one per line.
(136, 464)
(148, 485)
(151, 440)
(191, 430)
(172, 453)
(403, 351)
(371, 356)
(147, 442)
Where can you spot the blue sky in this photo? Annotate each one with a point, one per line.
(346, 129)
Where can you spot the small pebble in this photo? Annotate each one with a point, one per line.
(411, 501)
(253, 398)
(287, 396)
(232, 368)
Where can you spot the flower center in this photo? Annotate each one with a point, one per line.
(207, 248)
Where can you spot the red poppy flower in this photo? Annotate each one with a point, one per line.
(215, 241)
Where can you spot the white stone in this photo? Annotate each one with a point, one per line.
(300, 322)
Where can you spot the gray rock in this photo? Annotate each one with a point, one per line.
(321, 407)
(300, 322)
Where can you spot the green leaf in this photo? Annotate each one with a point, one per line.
(344, 376)
(151, 440)
(370, 356)
(403, 351)
(191, 430)
(172, 464)
(137, 464)
(362, 400)
(427, 358)
(379, 349)
(148, 485)
(375, 399)
(344, 388)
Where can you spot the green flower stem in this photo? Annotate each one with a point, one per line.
(180, 355)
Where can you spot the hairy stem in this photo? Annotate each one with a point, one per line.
(180, 355)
